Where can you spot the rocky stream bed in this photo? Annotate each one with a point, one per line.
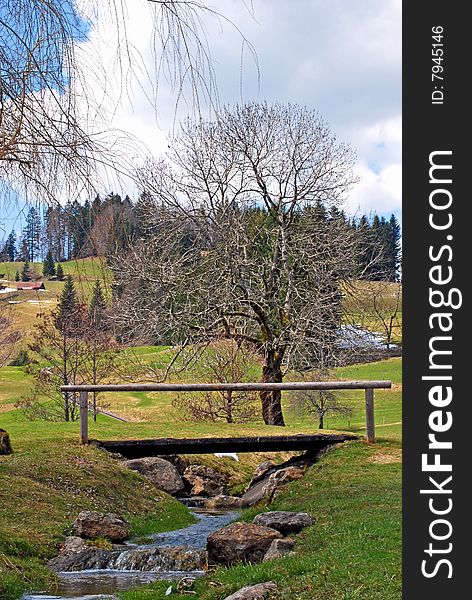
(89, 572)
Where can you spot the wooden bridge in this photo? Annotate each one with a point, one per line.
(135, 448)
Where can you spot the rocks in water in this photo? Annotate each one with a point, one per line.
(205, 481)
(5, 445)
(223, 502)
(73, 544)
(283, 521)
(260, 472)
(162, 473)
(279, 548)
(237, 542)
(91, 524)
(267, 487)
(88, 558)
(177, 558)
(259, 591)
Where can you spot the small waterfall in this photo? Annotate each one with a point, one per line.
(171, 555)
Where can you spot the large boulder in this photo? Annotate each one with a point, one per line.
(259, 591)
(73, 544)
(279, 548)
(87, 558)
(224, 503)
(5, 446)
(268, 486)
(240, 542)
(284, 521)
(91, 524)
(261, 471)
(163, 474)
(177, 558)
(205, 481)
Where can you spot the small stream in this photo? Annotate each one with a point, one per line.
(103, 583)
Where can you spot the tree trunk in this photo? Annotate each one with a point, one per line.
(94, 406)
(229, 406)
(321, 423)
(272, 400)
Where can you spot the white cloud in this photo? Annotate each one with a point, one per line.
(342, 58)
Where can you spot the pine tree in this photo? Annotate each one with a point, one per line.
(60, 272)
(23, 253)
(97, 307)
(10, 246)
(393, 248)
(17, 275)
(25, 272)
(49, 268)
(66, 315)
(32, 233)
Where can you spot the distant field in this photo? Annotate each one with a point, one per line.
(26, 307)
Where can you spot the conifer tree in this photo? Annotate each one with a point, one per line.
(49, 268)
(10, 247)
(17, 275)
(393, 248)
(25, 272)
(60, 272)
(67, 317)
(32, 233)
(97, 306)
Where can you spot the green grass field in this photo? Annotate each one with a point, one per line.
(27, 307)
(353, 550)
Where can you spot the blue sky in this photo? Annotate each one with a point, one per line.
(340, 57)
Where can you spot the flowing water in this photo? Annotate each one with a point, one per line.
(103, 583)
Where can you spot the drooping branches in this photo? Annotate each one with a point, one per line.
(55, 101)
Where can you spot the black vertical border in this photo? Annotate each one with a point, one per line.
(428, 128)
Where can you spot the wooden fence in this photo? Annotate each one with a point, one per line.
(368, 386)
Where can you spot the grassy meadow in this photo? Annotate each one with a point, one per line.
(26, 307)
(353, 551)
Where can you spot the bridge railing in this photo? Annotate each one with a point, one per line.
(368, 386)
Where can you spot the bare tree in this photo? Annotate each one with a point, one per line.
(54, 137)
(376, 306)
(59, 358)
(240, 244)
(224, 361)
(318, 403)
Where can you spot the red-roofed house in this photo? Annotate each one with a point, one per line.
(30, 285)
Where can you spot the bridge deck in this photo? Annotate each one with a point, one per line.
(163, 446)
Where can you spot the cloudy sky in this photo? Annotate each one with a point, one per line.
(340, 57)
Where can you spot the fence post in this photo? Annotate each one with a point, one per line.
(83, 403)
(369, 415)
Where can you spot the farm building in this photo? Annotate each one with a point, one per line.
(30, 285)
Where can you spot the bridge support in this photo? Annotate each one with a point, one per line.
(83, 403)
(369, 415)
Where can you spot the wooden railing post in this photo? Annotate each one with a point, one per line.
(83, 403)
(369, 415)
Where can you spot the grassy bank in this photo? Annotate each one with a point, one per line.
(45, 484)
(354, 549)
